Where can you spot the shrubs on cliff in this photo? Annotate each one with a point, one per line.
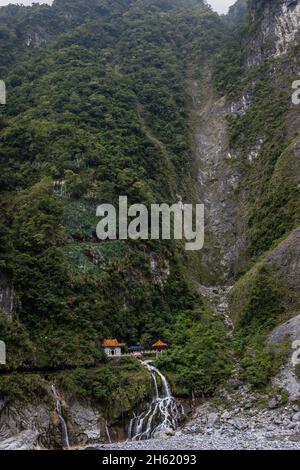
(117, 389)
(201, 356)
(99, 110)
(258, 312)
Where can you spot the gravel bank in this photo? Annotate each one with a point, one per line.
(215, 441)
(229, 426)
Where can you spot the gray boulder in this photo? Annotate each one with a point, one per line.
(296, 417)
(213, 420)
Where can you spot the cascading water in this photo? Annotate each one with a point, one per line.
(162, 414)
(65, 435)
(107, 432)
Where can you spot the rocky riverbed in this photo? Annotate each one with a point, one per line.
(254, 423)
(234, 435)
(239, 419)
(215, 441)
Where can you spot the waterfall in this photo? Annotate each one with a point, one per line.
(64, 429)
(162, 414)
(107, 432)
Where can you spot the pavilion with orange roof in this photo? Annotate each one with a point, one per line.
(160, 346)
(112, 347)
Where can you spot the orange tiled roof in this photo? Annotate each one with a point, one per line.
(159, 344)
(111, 343)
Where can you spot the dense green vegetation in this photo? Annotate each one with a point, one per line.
(261, 136)
(97, 108)
(264, 138)
(200, 358)
(261, 311)
(116, 389)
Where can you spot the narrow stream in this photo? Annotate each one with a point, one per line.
(162, 414)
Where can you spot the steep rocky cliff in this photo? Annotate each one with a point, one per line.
(276, 27)
(159, 101)
(265, 136)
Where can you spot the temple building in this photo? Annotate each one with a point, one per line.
(160, 346)
(112, 347)
(136, 350)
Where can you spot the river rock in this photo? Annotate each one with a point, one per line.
(165, 434)
(274, 402)
(226, 415)
(277, 421)
(213, 420)
(296, 417)
(238, 423)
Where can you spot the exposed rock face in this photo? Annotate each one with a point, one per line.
(218, 181)
(278, 30)
(160, 269)
(28, 425)
(25, 440)
(239, 107)
(35, 39)
(287, 378)
(85, 423)
(287, 259)
(37, 426)
(287, 25)
(218, 299)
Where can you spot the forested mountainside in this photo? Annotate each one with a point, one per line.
(159, 100)
(100, 109)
